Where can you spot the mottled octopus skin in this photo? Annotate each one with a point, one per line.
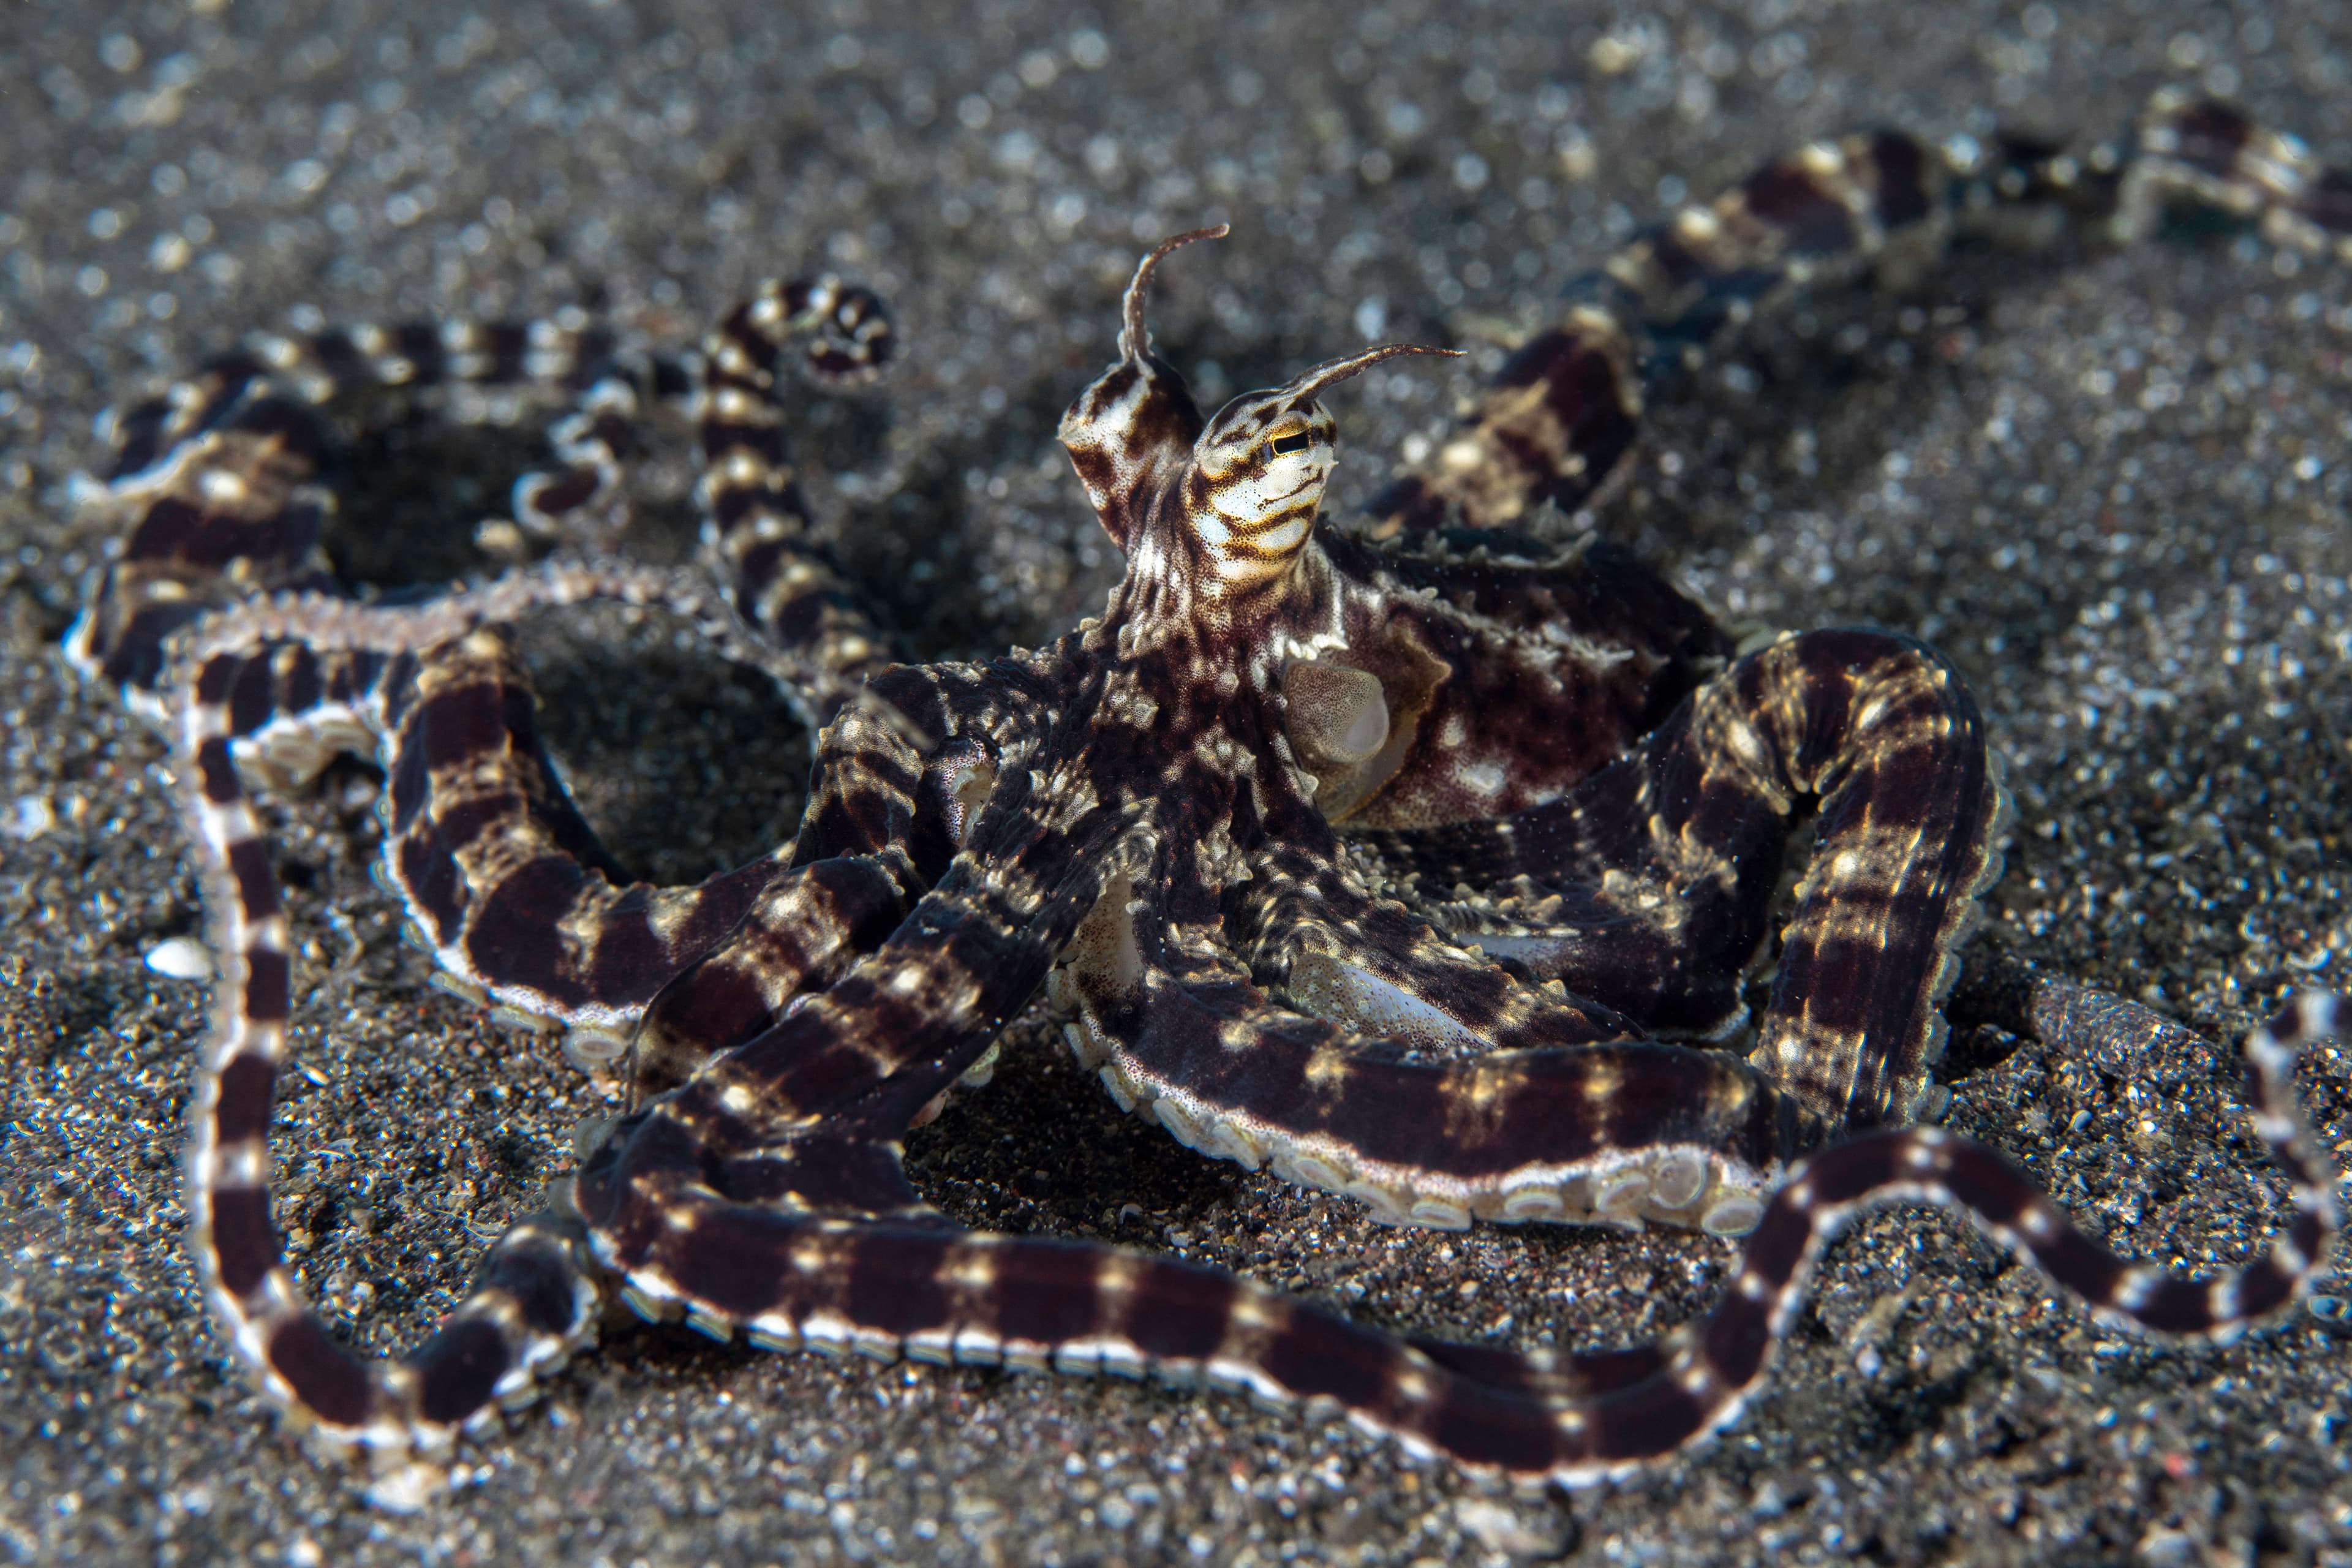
(1422, 861)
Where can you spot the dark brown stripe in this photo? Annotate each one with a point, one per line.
(540, 1278)
(2264, 1287)
(1645, 1421)
(892, 1283)
(1046, 1292)
(615, 432)
(737, 1260)
(245, 1245)
(299, 687)
(801, 618)
(1737, 1337)
(2307, 1233)
(671, 378)
(619, 1185)
(137, 658)
(629, 962)
(1313, 1353)
(1482, 1427)
(459, 824)
(1776, 1248)
(340, 357)
(326, 1380)
(249, 1085)
(215, 773)
(419, 343)
(1814, 223)
(2212, 135)
(2327, 202)
(300, 439)
(2174, 1307)
(504, 344)
(458, 1370)
(1900, 167)
(745, 333)
(720, 1004)
(171, 527)
(257, 882)
(513, 933)
(430, 877)
(1683, 268)
(765, 441)
(558, 493)
(731, 504)
(460, 723)
(813, 1071)
(138, 435)
(268, 985)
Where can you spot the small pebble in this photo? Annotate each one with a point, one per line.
(181, 958)
(30, 817)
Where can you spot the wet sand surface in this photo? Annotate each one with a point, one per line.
(2111, 486)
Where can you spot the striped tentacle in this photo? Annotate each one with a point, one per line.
(802, 933)
(879, 1286)
(1610, 1129)
(507, 885)
(855, 1064)
(317, 368)
(852, 881)
(900, 778)
(503, 881)
(581, 499)
(1555, 424)
(779, 565)
(2208, 156)
(1649, 886)
(219, 481)
(234, 507)
(245, 672)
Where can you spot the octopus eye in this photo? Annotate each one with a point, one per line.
(1283, 446)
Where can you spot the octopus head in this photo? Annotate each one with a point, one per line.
(1242, 490)
(1250, 494)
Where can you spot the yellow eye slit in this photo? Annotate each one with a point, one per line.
(1283, 444)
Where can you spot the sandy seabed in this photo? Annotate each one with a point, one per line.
(2111, 486)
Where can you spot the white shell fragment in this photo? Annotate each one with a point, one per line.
(180, 958)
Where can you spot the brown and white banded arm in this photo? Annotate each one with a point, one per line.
(787, 1277)
(1341, 1090)
(901, 776)
(1868, 738)
(1556, 422)
(533, 1302)
(757, 525)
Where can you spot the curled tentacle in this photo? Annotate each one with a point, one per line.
(533, 1302)
(790, 1275)
(898, 784)
(1662, 869)
(757, 523)
(1553, 426)
(1589, 1126)
(507, 885)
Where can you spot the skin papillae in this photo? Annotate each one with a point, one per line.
(1422, 862)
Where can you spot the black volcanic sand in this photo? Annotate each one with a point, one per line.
(2110, 485)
